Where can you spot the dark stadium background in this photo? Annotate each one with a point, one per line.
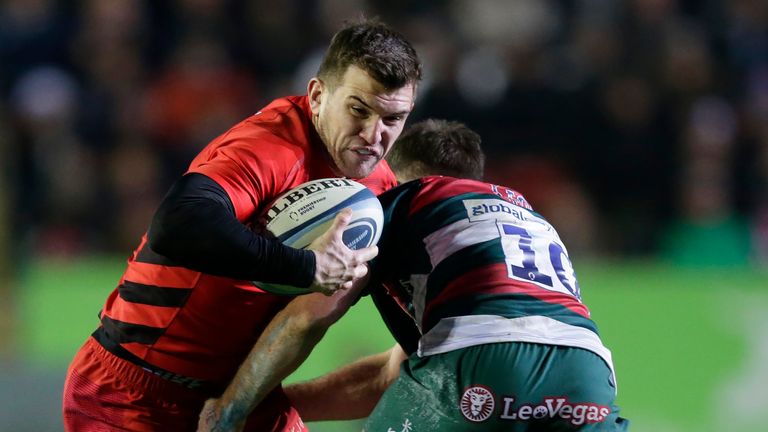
(639, 128)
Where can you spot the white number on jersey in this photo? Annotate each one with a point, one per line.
(534, 253)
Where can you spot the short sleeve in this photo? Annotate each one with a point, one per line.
(251, 171)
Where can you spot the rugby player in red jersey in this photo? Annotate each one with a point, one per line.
(480, 294)
(184, 314)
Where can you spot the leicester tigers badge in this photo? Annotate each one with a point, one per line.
(477, 403)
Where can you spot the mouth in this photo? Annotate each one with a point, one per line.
(365, 152)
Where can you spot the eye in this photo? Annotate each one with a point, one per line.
(393, 120)
(358, 111)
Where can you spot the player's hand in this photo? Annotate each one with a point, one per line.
(211, 419)
(337, 266)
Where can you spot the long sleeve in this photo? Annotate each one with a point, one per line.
(195, 226)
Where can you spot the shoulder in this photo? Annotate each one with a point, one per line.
(259, 157)
(285, 122)
(278, 132)
(435, 188)
(444, 185)
(283, 114)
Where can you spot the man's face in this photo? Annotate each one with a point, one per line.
(358, 119)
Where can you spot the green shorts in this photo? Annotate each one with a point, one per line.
(511, 386)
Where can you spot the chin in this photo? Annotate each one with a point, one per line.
(357, 170)
(360, 173)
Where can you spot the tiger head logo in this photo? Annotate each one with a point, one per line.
(477, 403)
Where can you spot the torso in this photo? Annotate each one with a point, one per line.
(472, 263)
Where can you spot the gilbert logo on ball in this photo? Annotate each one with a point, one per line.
(305, 212)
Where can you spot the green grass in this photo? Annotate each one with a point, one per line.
(666, 332)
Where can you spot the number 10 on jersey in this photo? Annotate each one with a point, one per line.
(539, 259)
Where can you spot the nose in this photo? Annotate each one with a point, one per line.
(372, 131)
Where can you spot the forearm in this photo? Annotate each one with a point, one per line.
(284, 345)
(347, 393)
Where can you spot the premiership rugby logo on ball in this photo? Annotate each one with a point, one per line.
(305, 212)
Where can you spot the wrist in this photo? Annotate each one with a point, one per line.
(228, 420)
(231, 416)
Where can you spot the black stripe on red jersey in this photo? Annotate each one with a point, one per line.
(153, 295)
(113, 347)
(148, 256)
(508, 305)
(123, 332)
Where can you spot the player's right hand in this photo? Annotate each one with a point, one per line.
(211, 419)
(337, 266)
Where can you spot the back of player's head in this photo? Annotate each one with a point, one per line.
(375, 48)
(437, 147)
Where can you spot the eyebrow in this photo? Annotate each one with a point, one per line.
(399, 113)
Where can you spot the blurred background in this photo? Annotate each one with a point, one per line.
(639, 128)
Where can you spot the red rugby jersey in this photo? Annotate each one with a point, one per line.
(199, 325)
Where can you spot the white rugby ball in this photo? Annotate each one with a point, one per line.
(305, 212)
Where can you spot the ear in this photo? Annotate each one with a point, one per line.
(315, 90)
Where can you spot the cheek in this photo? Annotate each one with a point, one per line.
(388, 146)
(389, 137)
(344, 125)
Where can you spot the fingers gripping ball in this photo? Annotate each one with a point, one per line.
(305, 212)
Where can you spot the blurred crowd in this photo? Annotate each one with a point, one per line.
(637, 127)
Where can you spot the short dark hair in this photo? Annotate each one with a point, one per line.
(375, 48)
(438, 147)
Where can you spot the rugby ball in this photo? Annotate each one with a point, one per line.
(305, 212)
